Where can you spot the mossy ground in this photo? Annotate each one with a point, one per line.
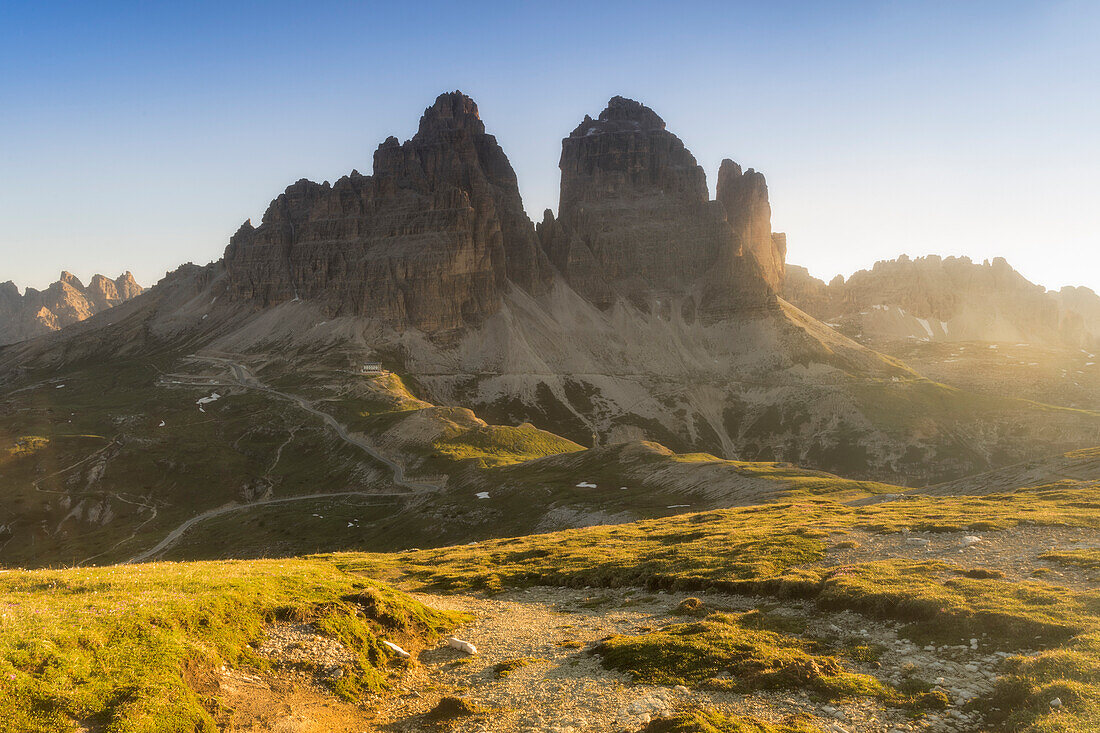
(711, 721)
(508, 666)
(110, 646)
(1085, 559)
(720, 653)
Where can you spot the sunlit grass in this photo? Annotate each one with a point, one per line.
(112, 645)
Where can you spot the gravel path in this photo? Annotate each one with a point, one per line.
(566, 690)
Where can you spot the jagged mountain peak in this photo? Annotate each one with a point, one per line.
(451, 111)
(744, 196)
(635, 221)
(620, 115)
(934, 298)
(64, 302)
(429, 241)
(432, 239)
(70, 279)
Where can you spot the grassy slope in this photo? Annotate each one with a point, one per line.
(112, 642)
(777, 550)
(709, 721)
(112, 646)
(200, 460)
(523, 498)
(196, 461)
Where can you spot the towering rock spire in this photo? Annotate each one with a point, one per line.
(429, 241)
(745, 199)
(636, 220)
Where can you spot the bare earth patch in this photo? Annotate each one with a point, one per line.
(567, 689)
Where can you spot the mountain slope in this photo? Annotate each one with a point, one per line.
(204, 399)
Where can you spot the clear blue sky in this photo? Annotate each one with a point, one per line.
(140, 135)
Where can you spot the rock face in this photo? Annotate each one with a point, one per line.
(1080, 313)
(635, 220)
(430, 241)
(66, 301)
(951, 298)
(744, 196)
(435, 237)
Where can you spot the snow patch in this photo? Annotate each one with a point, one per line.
(214, 397)
(585, 485)
(482, 494)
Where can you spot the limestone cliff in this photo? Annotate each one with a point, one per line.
(437, 234)
(635, 220)
(744, 196)
(430, 241)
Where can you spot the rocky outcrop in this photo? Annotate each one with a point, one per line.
(66, 301)
(744, 196)
(807, 292)
(950, 298)
(430, 241)
(635, 221)
(1080, 312)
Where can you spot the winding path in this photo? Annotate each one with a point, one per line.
(245, 378)
(177, 533)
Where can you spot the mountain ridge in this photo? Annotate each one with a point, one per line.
(948, 299)
(664, 325)
(65, 301)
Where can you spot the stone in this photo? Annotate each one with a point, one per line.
(462, 646)
(744, 196)
(396, 649)
(430, 241)
(635, 222)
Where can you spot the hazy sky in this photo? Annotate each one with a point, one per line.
(140, 135)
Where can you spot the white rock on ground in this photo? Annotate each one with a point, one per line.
(462, 646)
(396, 649)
